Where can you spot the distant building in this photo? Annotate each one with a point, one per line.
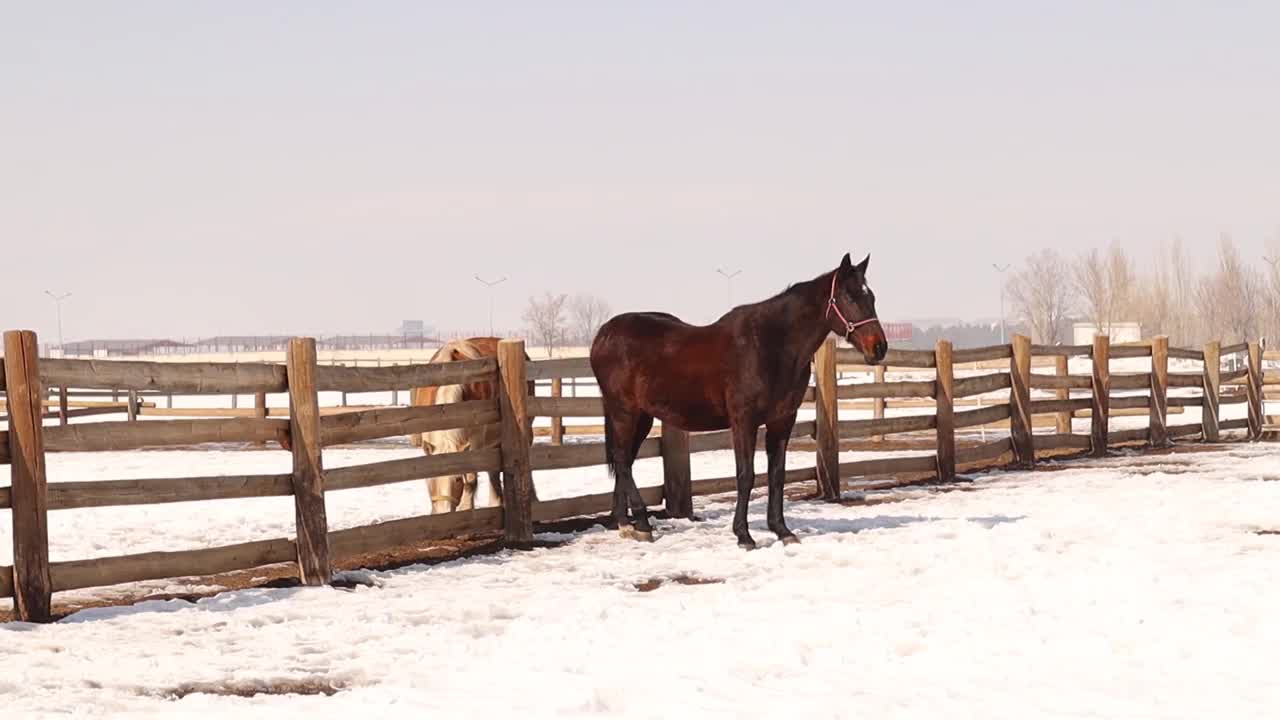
(1119, 332)
(413, 328)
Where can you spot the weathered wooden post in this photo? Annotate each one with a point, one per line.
(517, 476)
(828, 425)
(1256, 421)
(1159, 422)
(63, 418)
(557, 422)
(1060, 369)
(132, 410)
(1101, 394)
(944, 396)
(314, 566)
(260, 410)
(1024, 451)
(677, 477)
(32, 587)
(878, 405)
(1212, 388)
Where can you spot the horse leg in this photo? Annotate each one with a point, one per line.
(644, 531)
(442, 497)
(468, 500)
(776, 436)
(620, 431)
(744, 450)
(495, 489)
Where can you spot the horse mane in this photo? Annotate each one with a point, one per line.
(463, 349)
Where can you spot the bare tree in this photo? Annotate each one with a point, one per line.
(1232, 296)
(1152, 297)
(1092, 284)
(1121, 284)
(1271, 323)
(546, 321)
(1043, 295)
(588, 314)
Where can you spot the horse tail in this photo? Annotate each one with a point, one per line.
(610, 459)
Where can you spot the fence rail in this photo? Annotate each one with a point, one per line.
(305, 429)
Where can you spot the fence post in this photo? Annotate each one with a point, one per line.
(133, 406)
(878, 405)
(1060, 369)
(314, 565)
(557, 422)
(1159, 422)
(677, 476)
(1024, 452)
(944, 396)
(1254, 395)
(517, 476)
(260, 409)
(62, 406)
(828, 425)
(1212, 384)
(1101, 393)
(32, 588)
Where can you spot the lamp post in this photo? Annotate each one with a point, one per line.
(1000, 269)
(57, 300)
(490, 285)
(729, 283)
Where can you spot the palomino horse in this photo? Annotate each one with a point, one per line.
(457, 492)
(747, 369)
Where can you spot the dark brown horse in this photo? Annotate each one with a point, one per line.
(747, 369)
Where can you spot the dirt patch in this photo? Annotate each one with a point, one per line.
(654, 583)
(253, 688)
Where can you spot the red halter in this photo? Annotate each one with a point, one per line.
(831, 305)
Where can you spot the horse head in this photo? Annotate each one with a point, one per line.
(851, 310)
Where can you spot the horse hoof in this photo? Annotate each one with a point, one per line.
(626, 532)
(747, 544)
(642, 536)
(791, 540)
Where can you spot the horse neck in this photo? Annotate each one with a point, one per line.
(801, 312)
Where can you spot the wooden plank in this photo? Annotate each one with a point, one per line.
(828, 429)
(1184, 354)
(1229, 378)
(1129, 402)
(1131, 381)
(32, 588)
(982, 384)
(1118, 437)
(557, 368)
(104, 571)
(888, 426)
(1063, 441)
(109, 493)
(1234, 424)
(517, 470)
(562, 457)
(981, 354)
(1061, 370)
(6, 579)
(1185, 430)
(1179, 401)
(677, 476)
(4, 447)
(413, 531)
(111, 436)
(1062, 350)
(1056, 407)
(565, 407)
(336, 378)
(1187, 380)
(563, 508)
(1119, 352)
(176, 377)
(921, 359)
(1211, 385)
(880, 390)
(314, 565)
(415, 468)
(1020, 415)
(944, 414)
(1099, 421)
(1041, 381)
(1236, 398)
(723, 439)
(1254, 390)
(1159, 419)
(982, 416)
(1236, 349)
(1271, 378)
(383, 422)
(985, 452)
(888, 466)
(719, 485)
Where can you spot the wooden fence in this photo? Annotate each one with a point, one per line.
(307, 430)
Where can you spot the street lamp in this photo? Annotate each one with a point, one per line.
(491, 285)
(57, 299)
(1000, 269)
(729, 283)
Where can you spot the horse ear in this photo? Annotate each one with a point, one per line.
(845, 264)
(862, 266)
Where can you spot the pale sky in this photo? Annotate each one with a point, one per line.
(245, 167)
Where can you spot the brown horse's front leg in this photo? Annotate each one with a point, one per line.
(744, 450)
(776, 436)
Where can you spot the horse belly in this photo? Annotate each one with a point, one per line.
(686, 407)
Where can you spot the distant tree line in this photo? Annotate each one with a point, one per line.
(556, 321)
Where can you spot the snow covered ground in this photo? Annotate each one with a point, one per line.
(1129, 587)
